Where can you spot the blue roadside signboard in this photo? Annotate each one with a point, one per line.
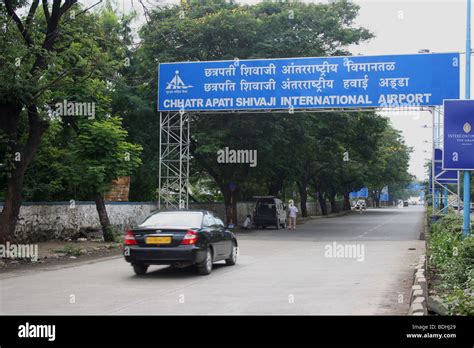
(440, 179)
(306, 83)
(384, 197)
(458, 134)
(362, 193)
(443, 181)
(443, 176)
(416, 186)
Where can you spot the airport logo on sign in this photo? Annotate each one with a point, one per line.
(176, 85)
(467, 128)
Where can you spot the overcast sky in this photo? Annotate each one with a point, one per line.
(401, 26)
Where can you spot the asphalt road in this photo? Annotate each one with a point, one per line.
(278, 272)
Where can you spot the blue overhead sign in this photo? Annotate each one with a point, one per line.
(458, 135)
(308, 83)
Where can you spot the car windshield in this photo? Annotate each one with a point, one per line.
(174, 219)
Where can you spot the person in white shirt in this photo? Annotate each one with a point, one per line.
(293, 212)
(248, 222)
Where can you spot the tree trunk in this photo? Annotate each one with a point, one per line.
(13, 197)
(103, 218)
(322, 204)
(332, 199)
(376, 199)
(12, 204)
(230, 202)
(377, 202)
(347, 202)
(303, 197)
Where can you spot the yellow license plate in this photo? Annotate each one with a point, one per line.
(158, 240)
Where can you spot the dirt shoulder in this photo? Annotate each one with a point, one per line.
(58, 253)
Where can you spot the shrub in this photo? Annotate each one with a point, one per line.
(452, 259)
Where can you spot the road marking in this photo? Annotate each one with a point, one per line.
(376, 227)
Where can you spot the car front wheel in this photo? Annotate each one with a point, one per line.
(205, 267)
(139, 268)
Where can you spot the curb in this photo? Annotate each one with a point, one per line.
(419, 289)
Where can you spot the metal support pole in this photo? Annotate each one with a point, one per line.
(159, 164)
(188, 153)
(467, 203)
(433, 193)
(445, 200)
(180, 179)
(467, 174)
(459, 193)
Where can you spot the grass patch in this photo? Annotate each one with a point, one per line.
(69, 250)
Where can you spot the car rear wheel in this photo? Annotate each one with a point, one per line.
(205, 267)
(139, 268)
(232, 260)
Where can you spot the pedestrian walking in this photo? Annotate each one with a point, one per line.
(293, 212)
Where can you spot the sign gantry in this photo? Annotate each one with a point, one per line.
(305, 84)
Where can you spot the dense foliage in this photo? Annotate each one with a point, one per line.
(452, 264)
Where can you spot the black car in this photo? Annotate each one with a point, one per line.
(180, 238)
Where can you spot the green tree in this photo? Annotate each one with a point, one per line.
(389, 167)
(99, 155)
(28, 46)
(53, 54)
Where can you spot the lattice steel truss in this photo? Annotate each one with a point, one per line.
(174, 160)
